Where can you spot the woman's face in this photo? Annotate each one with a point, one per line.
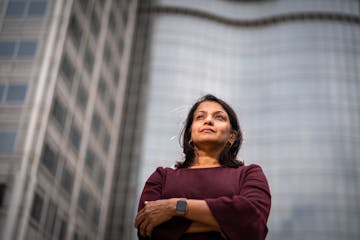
(211, 125)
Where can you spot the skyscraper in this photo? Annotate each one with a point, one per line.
(63, 66)
(291, 71)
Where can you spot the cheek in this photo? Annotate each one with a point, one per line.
(226, 130)
(192, 130)
(194, 126)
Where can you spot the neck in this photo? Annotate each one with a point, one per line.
(206, 158)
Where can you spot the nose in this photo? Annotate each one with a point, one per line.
(208, 120)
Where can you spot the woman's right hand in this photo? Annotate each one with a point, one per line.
(153, 214)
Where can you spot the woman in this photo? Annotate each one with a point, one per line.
(210, 195)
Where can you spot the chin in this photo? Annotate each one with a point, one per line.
(210, 142)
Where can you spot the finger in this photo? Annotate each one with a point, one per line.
(143, 227)
(149, 230)
(142, 231)
(139, 218)
(149, 224)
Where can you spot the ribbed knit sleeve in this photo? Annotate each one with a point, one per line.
(244, 215)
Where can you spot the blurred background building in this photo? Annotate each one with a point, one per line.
(63, 69)
(93, 94)
(290, 69)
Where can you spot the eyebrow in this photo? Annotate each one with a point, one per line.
(218, 111)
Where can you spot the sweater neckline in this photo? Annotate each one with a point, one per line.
(217, 167)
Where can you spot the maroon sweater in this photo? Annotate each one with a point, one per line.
(239, 199)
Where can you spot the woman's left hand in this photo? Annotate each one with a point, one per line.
(153, 214)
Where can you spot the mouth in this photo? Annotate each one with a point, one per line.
(207, 130)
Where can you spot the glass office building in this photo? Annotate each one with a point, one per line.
(291, 70)
(63, 71)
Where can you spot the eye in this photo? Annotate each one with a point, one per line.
(199, 117)
(220, 117)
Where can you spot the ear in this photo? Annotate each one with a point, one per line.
(233, 136)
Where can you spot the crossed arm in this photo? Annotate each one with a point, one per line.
(244, 214)
(156, 212)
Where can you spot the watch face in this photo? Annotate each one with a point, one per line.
(181, 206)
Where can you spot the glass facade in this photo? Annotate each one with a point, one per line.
(291, 71)
(52, 57)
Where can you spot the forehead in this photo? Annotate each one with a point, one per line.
(208, 106)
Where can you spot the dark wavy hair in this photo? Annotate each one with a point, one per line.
(228, 155)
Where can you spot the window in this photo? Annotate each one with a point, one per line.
(7, 142)
(2, 92)
(95, 215)
(107, 53)
(37, 206)
(27, 49)
(13, 93)
(67, 69)
(37, 8)
(2, 194)
(90, 159)
(15, 9)
(83, 199)
(102, 87)
(125, 17)
(62, 231)
(101, 178)
(59, 113)
(49, 159)
(23, 8)
(106, 142)
(75, 137)
(111, 108)
(89, 60)
(76, 236)
(67, 180)
(75, 30)
(50, 218)
(112, 22)
(120, 46)
(82, 96)
(16, 93)
(95, 124)
(116, 76)
(84, 4)
(95, 25)
(7, 49)
(102, 2)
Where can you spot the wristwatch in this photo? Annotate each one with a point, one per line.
(181, 207)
